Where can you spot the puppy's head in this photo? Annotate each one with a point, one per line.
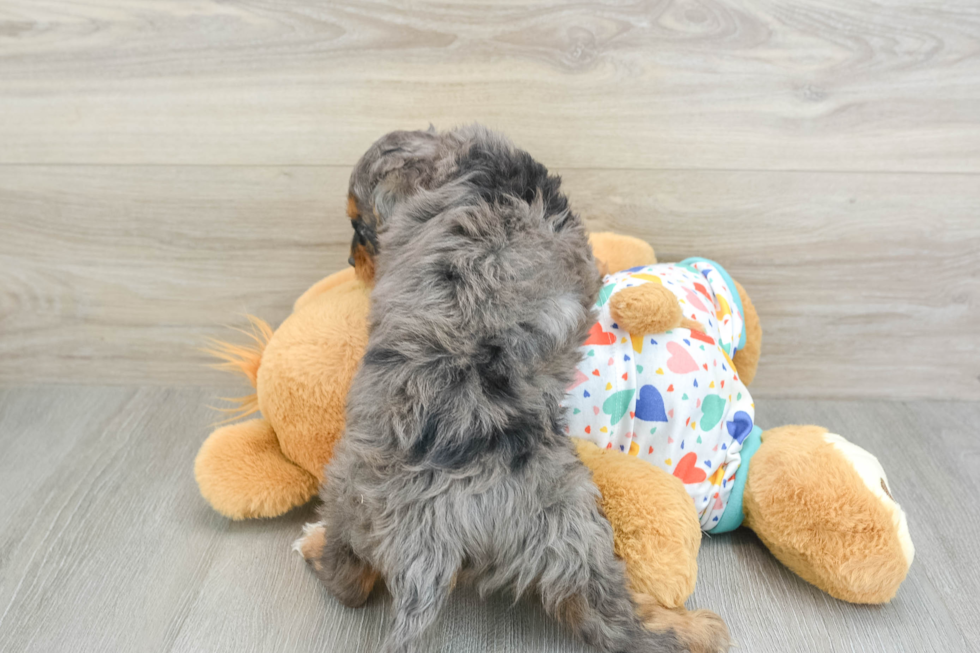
(396, 167)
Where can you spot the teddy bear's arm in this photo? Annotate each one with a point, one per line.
(641, 309)
(647, 308)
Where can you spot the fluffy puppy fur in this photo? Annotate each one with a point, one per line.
(454, 460)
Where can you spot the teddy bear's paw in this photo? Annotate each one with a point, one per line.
(700, 631)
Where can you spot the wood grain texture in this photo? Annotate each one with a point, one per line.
(105, 544)
(809, 84)
(168, 166)
(118, 274)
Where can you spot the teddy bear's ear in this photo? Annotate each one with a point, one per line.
(347, 275)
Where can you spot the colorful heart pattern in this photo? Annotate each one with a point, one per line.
(599, 337)
(680, 360)
(688, 471)
(579, 379)
(712, 409)
(618, 404)
(672, 399)
(650, 405)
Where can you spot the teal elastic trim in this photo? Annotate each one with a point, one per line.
(733, 516)
(731, 286)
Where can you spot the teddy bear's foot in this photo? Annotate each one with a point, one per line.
(823, 507)
(700, 631)
(243, 473)
(345, 575)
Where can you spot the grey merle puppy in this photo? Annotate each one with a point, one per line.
(454, 462)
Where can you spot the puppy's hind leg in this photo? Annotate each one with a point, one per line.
(585, 585)
(345, 575)
(419, 583)
(593, 600)
(702, 631)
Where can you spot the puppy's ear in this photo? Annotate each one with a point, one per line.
(395, 167)
(386, 195)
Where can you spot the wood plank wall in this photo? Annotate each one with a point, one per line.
(168, 166)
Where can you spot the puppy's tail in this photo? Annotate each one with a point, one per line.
(700, 631)
(244, 360)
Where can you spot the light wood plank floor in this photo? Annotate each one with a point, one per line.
(107, 546)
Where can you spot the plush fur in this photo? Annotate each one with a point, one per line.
(454, 459)
(659, 547)
(841, 538)
(242, 471)
(614, 252)
(649, 308)
(264, 467)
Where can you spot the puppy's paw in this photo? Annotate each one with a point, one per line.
(705, 633)
(310, 546)
(346, 576)
(700, 631)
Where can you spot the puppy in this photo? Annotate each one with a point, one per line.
(454, 461)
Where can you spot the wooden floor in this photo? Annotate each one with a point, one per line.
(105, 544)
(168, 166)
